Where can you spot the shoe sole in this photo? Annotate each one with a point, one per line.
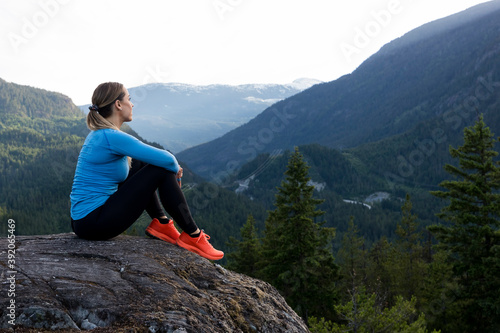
(198, 251)
(155, 234)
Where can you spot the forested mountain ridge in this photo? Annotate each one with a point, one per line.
(407, 83)
(18, 100)
(348, 186)
(41, 133)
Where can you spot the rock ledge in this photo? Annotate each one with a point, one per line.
(133, 284)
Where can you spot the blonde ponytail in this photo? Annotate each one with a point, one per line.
(95, 121)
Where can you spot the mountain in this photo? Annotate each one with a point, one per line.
(179, 116)
(445, 71)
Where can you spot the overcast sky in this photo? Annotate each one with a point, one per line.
(70, 46)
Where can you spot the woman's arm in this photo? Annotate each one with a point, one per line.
(125, 144)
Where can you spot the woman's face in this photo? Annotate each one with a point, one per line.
(125, 107)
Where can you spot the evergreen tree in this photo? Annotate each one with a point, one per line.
(408, 261)
(363, 315)
(472, 235)
(437, 296)
(352, 261)
(296, 256)
(379, 277)
(247, 251)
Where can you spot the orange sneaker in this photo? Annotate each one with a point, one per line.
(199, 245)
(166, 232)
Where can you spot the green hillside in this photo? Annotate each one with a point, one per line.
(347, 184)
(41, 133)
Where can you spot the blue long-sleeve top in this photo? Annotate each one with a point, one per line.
(102, 165)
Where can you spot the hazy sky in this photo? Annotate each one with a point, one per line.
(71, 46)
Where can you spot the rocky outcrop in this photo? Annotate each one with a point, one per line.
(131, 284)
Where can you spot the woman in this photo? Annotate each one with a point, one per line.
(117, 178)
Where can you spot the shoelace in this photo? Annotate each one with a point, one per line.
(205, 238)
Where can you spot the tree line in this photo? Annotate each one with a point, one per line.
(444, 278)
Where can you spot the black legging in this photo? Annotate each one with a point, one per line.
(136, 194)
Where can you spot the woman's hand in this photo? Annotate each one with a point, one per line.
(179, 177)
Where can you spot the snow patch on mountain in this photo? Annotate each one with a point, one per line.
(268, 101)
(304, 83)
